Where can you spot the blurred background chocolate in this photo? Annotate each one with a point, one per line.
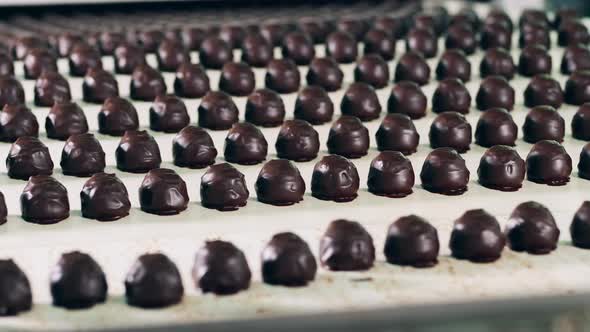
(477, 237)
(501, 168)
(82, 155)
(495, 35)
(65, 119)
(28, 156)
(146, 83)
(168, 114)
(532, 229)
(422, 41)
(462, 37)
(163, 192)
(297, 140)
(193, 147)
(6, 65)
(282, 76)
(584, 162)
(346, 246)
(543, 123)
(99, 85)
(217, 111)
(348, 137)
(44, 201)
(325, 72)
(265, 108)
(11, 91)
(170, 55)
(341, 46)
(298, 47)
(533, 33)
(256, 50)
(495, 127)
(548, 163)
(334, 178)
(51, 87)
(575, 57)
(495, 92)
(17, 121)
(38, 60)
(407, 98)
(543, 90)
(16, 294)
(313, 104)
(128, 56)
(391, 175)
(104, 197)
(245, 144)
(138, 152)
(412, 241)
(288, 261)
(191, 81)
(450, 129)
(572, 32)
(380, 42)
(576, 90)
(412, 67)
(581, 123)
(534, 60)
(153, 281)
(279, 183)
(223, 188)
(580, 227)
(83, 57)
(444, 172)
(397, 133)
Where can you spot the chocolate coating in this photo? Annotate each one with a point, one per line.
(575, 58)
(11, 91)
(325, 72)
(6, 65)
(44, 201)
(577, 88)
(221, 268)
(543, 123)
(346, 246)
(580, 227)
(354, 26)
(298, 47)
(50, 88)
(28, 156)
(412, 67)
(348, 137)
(279, 183)
(109, 41)
(316, 29)
(192, 147)
(581, 123)
(533, 16)
(217, 111)
(232, 34)
(467, 16)
(477, 237)
(77, 282)
(128, 56)
(65, 119)
(451, 95)
(314, 105)
(104, 198)
(391, 175)
(265, 108)
(397, 133)
(341, 46)
(192, 37)
(453, 64)
(273, 31)
(150, 39)
(572, 32)
(99, 85)
(380, 42)
(163, 192)
(3, 209)
(495, 35)
(497, 61)
(499, 17)
(450, 129)
(501, 168)
(82, 155)
(138, 152)
(543, 90)
(171, 54)
(245, 144)
(153, 282)
(191, 81)
(168, 114)
(413, 241)
(394, 26)
(214, 53)
(288, 261)
(38, 60)
(495, 92)
(237, 79)
(17, 120)
(584, 163)
(564, 14)
(533, 60)
(360, 100)
(548, 163)
(407, 98)
(15, 289)
(297, 140)
(282, 76)
(422, 41)
(462, 37)
(495, 127)
(334, 178)
(116, 116)
(256, 50)
(534, 34)
(146, 83)
(531, 228)
(373, 70)
(223, 188)
(444, 172)
(83, 57)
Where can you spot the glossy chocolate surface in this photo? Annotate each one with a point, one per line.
(572, 32)
(44, 201)
(138, 152)
(413, 241)
(453, 64)
(223, 188)
(495, 35)
(543, 90)
(288, 261)
(128, 56)
(391, 175)
(153, 282)
(65, 119)
(314, 105)
(191, 81)
(82, 155)
(279, 183)
(501, 168)
(497, 61)
(461, 37)
(15, 289)
(82, 58)
(341, 46)
(373, 70)
(531, 228)
(451, 95)
(407, 98)
(412, 67)
(335, 178)
(146, 83)
(422, 41)
(380, 42)
(193, 147)
(237, 79)
(348, 137)
(265, 108)
(450, 129)
(51, 87)
(495, 92)
(163, 192)
(575, 58)
(221, 268)
(543, 123)
(245, 144)
(214, 53)
(170, 55)
(548, 163)
(282, 76)
(581, 123)
(116, 116)
(38, 60)
(256, 50)
(477, 237)
(576, 90)
(495, 127)
(397, 133)
(444, 172)
(346, 246)
(298, 47)
(360, 100)
(297, 140)
(534, 60)
(11, 91)
(28, 156)
(168, 114)
(17, 120)
(217, 111)
(580, 227)
(104, 197)
(99, 85)
(325, 72)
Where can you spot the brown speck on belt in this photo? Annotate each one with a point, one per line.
(367, 279)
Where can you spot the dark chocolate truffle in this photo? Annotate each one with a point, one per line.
(354, 26)
(15, 289)
(495, 92)
(450, 129)
(82, 155)
(477, 237)
(334, 178)
(82, 58)
(28, 156)
(11, 91)
(534, 34)
(531, 228)
(150, 39)
(316, 29)
(495, 35)
(497, 61)
(326, 73)
(564, 14)
(245, 144)
(44, 201)
(407, 98)
(6, 65)
(146, 83)
(217, 111)
(232, 34)
(453, 64)
(391, 175)
(288, 261)
(138, 152)
(256, 50)
(572, 32)
(543, 123)
(412, 67)
(501, 168)
(581, 123)
(577, 88)
(104, 198)
(221, 268)
(495, 127)
(279, 183)
(168, 114)
(265, 108)
(543, 90)
(171, 54)
(533, 60)
(282, 76)
(341, 46)
(17, 120)
(394, 26)
(373, 70)
(109, 41)
(273, 31)
(153, 282)
(297, 140)
(192, 147)
(65, 119)
(444, 172)
(37, 61)
(314, 105)
(412, 241)
(580, 227)
(397, 133)
(214, 53)
(346, 246)
(127, 57)
(584, 163)
(3, 209)
(116, 116)
(348, 137)
(467, 16)
(163, 192)
(77, 282)
(548, 163)
(298, 47)
(237, 79)
(99, 85)
(425, 21)
(451, 95)
(22, 45)
(534, 16)
(461, 37)
(360, 100)
(380, 42)
(223, 188)
(191, 81)
(575, 58)
(50, 88)
(422, 41)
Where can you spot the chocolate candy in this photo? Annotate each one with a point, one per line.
(11, 91)
(191, 81)
(495, 127)
(453, 64)
(334, 178)
(360, 100)
(543, 90)
(501, 168)
(3, 209)
(497, 61)
(575, 58)
(16, 121)
(314, 105)
(412, 67)
(572, 32)
(65, 119)
(564, 14)
(584, 163)
(533, 16)
(223, 188)
(297, 140)
(237, 79)
(50, 88)
(116, 116)
(380, 42)
(581, 123)
(467, 16)
(534, 34)
(548, 163)
(82, 155)
(109, 41)
(146, 83)
(104, 198)
(391, 175)
(461, 37)
(397, 133)
(288, 261)
(531, 228)
(192, 147)
(495, 92)
(77, 282)
(298, 47)
(150, 39)
(580, 227)
(274, 31)
(83, 57)
(217, 111)
(44, 201)
(256, 50)
(28, 156)
(499, 17)
(6, 65)
(543, 123)
(495, 35)
(450, 129)
(214, 53)
(232, 34)
(407, 98)
(279, 183)
(412, 241)
(341, 46)
(354, 26)
(316, 29)
(128, 56)
(326, 73)
(346, 246)
(451, 95)
(221, 268)
(444, 172)
(245, 144)
(99, 85)
(477, 237)
(422, 41)
(38, 60)
(138, 152)
(15, 289)
(425, 21)
(394, 26)
(22, 45)
(534, 59)
(282, 76)
(373, 70)
(576, 88)
(170, 55)
(348, 137)
(153, 282)
(265, 108)
(163, 192)
(168, 114)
